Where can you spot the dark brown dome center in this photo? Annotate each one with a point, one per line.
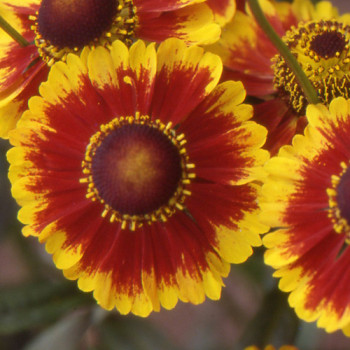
(136, 169)
(343, 195)
(75, 23)
(327, 44)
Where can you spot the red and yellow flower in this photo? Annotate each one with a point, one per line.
(246, 50)
(139, 173)
(271, 347)
(306, 199)
(53, 29)
(315, 34)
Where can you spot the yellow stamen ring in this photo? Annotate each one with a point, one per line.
(322, 50)
(340, 223)
(139, 169)
(122, 28)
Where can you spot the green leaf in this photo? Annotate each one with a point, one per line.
(31, 306)
(275, 323)
(131, 333)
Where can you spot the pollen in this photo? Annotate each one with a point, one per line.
(138, 170)
(339, 202)
(322, 50)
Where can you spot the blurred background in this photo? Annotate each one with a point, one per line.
(343, 5)
(40, 310)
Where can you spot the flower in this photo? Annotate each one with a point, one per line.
(315, 34)
(139, 173)
(53, 29)
(247, 52)
(306, 200)
(271, 347)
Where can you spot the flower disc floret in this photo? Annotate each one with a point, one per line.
(62, 27)
(138, 169)
(339, 204)
(75, 23)
(322, 50)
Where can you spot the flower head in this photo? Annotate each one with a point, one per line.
(306, 198)
(315, 34)
(323, 52)
(247, 52)
(54, 28)
(138, 174)
(271, 347)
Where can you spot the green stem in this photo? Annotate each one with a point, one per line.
(12, 32)
(274, 320)
(309, 91)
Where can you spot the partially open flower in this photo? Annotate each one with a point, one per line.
(54, 28)
(306, 198)
(138, 173)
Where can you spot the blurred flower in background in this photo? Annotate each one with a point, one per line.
(270, 347)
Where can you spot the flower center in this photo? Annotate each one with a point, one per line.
(64, 26)
(138, 170)
(75, 23)
(322, 50)
(327, 44)
(339, 202)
